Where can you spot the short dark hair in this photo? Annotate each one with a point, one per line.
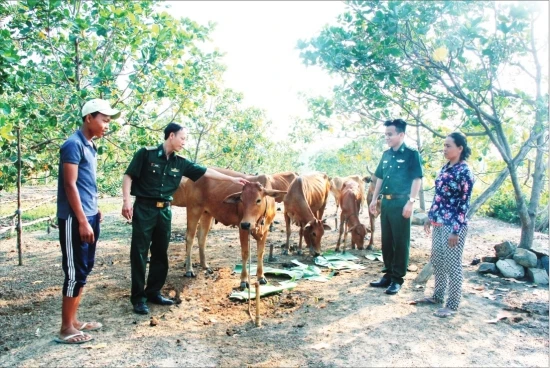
(171, 128)
(94, 114)
(461, 141)
(399, 124)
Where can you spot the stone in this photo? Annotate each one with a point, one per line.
(525, 258)
(425, 274)
(487, 267)
(540, 247)
(509, 268)
(489, 259)
(412, 268)
(544, 261)
(538, 276)
(505, 250)
(419, 218)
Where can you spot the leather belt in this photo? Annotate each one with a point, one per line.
(153, 202)
(395, 196)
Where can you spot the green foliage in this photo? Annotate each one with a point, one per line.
(357, 157)
(55, 55)
(502, 206)
(443, 66)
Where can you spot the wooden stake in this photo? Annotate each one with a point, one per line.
(19, 227)
(258, 320)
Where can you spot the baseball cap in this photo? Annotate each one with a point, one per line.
(99, 105)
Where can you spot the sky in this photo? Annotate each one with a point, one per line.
(259, 41)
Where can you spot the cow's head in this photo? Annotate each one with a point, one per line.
(313, 232)
(255, 202)
(358, 234)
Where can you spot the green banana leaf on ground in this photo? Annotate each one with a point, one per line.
(311, 272)
(293, 274)
(375, 256)
(331, 255)
(338, 262)
(301, 271)
(265, 290)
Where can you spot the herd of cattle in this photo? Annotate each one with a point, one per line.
(252, 209)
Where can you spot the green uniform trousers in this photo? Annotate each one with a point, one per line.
(396, 238)
(151, 229)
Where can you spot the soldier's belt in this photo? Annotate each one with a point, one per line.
(153, 202)
(394, 196)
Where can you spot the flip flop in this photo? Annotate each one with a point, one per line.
(66, 339)
(444, 313)
(90, 326)
(424, 300)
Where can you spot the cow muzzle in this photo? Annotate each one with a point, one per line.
(313, 252)
(245, 225)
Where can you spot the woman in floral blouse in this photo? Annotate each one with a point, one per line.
(453, 188)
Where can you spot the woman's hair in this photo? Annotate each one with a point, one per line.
(461, 141)
(171, 128)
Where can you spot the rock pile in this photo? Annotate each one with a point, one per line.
(513, 262)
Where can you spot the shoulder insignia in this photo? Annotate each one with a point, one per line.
(151, 148)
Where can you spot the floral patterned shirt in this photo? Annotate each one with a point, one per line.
(453, 188)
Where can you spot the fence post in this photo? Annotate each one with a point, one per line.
(19, 227)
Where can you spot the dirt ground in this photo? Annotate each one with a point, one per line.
(340, 323)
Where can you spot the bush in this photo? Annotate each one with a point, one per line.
(502, 206)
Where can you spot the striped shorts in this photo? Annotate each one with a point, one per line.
(77, 257)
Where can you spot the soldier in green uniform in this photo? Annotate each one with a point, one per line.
(152, 177)
(399, 176)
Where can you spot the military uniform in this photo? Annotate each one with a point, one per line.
(155, 178)
(397, 170)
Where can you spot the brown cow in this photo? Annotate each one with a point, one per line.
(179, 195)
(336, 188)
(278, 181)
(207, 199)
(351, 197)
(371, 181)
(304, 204)
(257, 207)
(282, 181)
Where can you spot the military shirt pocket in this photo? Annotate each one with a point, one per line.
(400, 164)
(174, 176)
(154, 170)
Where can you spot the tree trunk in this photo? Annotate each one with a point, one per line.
(541, 111)
(488, 193)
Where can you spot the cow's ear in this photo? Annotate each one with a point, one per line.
(326, 227)
(351, 229)
(277, 194)
(233, 198)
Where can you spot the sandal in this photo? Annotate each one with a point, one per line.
(78, 338)
(424, 300)
(444, 313)
(90, 326)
